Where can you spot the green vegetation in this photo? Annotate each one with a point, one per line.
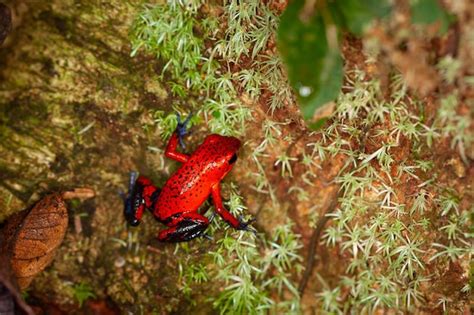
(82, 292)
(389, 250)
(429, 12)
(399, 238)
(308, 41)
(203, 75)
(251, 268)
(309, 35)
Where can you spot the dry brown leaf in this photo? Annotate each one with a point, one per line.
(10, 297)
(33, 236)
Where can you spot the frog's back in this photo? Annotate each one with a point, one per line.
(186, 190)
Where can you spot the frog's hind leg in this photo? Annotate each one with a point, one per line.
(142, 194)
(184, 228)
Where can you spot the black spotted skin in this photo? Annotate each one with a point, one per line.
(176, 204)
(188, 188)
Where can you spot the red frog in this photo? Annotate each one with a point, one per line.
(176, 204)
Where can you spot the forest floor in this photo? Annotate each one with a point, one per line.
(84, 100)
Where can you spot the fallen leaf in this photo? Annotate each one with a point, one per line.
(10, 297)
(32, 237)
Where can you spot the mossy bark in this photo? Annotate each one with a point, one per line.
(66, 68)
(71, 100)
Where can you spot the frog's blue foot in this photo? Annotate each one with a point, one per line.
(129, 200)
(181, 128)
(131, 186)
(207, 236)
(132, 180)
(245, 225)
(211, 217)
(142, 194)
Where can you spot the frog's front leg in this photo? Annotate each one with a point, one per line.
(177, 137)
(238, 224)
(184, 227)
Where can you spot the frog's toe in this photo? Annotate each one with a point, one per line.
(245, 225)
(181, 129)
(132, 181)
(133, 221)
(181, 142)
(131, 186)
(207, 236)
(211, 217)
(249, 229)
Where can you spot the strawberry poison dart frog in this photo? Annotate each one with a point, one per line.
(176, 204)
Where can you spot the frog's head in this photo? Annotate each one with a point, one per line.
(223, 151)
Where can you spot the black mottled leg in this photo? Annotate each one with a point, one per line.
(189, 226)
(142, 194)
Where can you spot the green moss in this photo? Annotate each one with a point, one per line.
(82, 292)
(388, 254)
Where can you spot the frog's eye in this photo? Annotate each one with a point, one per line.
(233, 159)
